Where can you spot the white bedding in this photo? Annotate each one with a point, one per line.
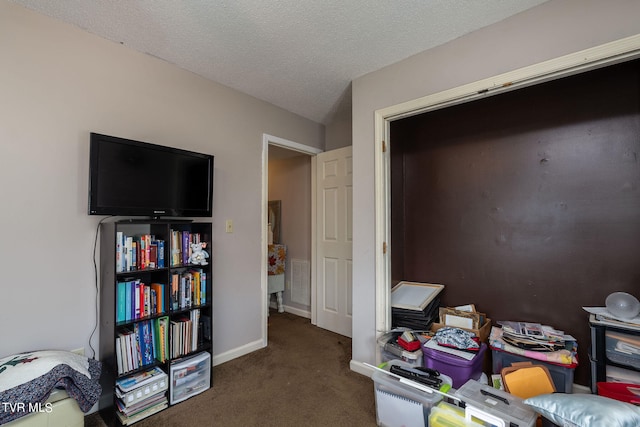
(29, 382)
(22, 368)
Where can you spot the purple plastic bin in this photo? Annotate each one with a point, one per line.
(459, 369)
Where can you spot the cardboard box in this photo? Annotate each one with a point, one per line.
(482, 333)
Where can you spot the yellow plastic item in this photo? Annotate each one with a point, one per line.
(527, 380)
(447, 415)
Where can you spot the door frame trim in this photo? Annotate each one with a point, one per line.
(607, 54)
(301, 148)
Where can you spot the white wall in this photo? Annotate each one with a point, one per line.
(57, 84)
(551, 30)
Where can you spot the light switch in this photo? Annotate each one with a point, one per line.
(229, 226)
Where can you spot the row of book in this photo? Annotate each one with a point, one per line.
(181, 246)
(188, 288)
(142, 344)
(141, 395)
(135, 300)
(138, 252)
(187, 333)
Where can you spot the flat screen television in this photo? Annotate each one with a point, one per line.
(135, 178)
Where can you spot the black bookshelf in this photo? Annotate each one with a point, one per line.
(112, 272)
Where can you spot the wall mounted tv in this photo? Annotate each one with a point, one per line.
(134, 178)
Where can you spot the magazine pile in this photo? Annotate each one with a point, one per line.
(141, 395)
(535, 337)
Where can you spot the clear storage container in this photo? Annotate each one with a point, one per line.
(190, 376)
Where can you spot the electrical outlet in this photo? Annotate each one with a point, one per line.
(78, 351)
(229, 226)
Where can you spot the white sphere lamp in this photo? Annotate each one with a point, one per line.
(623, 305)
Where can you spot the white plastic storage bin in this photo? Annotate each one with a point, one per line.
(390, 350)
(190, 376)
(399, 404)
(622, 348)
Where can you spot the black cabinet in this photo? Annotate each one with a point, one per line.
(613, 352)
(155, 310)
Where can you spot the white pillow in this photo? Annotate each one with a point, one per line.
(585, 410)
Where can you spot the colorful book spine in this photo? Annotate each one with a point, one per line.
(135, 257)
(153, 255)
(185, 247)
(147, 250)
(142, 251)
(159, 291)
(160, 253)
(175, 288)
(146, 340)
(129, 304)
(203, 291)
(119, 251)
(121, 301)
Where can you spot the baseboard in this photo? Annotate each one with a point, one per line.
(297, 311)
(292, 310)
(237, 352)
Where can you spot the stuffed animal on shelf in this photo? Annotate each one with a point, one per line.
(198, 254)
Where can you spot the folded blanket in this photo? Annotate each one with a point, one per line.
(20, 368)
(27, 380)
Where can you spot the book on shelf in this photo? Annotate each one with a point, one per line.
(126, 354)
(134, 255)
(159, 296)
(203, 287)
(160, 253)
(136, 346)
(119, 251)
(121, 304)
(138, 252)
(188, 289)
(135, 300)
(119, 356)
(181, 246)
(139, 379)
(195, 323)
(153, 254)
(144, 413)
(186, 248)
(161, 338)
(186, 331)
(144, 336)
(129, 409)
(175, 248)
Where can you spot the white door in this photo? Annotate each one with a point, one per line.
(334, 240)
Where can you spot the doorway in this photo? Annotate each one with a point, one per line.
(287, 183)
(612, 53)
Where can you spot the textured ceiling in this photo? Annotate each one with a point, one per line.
(300, 55)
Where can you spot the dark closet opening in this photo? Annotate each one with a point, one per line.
(527, 203)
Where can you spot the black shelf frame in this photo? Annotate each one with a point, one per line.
(109, 327)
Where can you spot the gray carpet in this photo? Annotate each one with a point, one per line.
(302, 378)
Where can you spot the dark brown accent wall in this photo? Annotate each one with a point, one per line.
(527, 203)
